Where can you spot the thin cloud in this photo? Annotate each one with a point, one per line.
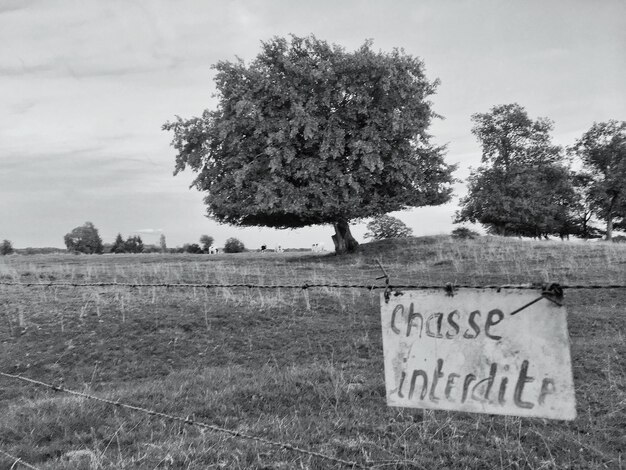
(22, 107)
(9, 6)
(62, 67)
(149, 231)
(26, 69)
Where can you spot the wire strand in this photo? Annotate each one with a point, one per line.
(192, 422)
(305, 285)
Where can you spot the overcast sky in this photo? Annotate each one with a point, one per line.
(86, 85)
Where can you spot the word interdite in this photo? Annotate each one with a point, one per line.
(467, 353)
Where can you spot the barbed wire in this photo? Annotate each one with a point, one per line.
(212, 427)
(307, 285)
(17, 460)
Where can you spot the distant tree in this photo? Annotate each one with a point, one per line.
(206, 241)
(602, 150)
(386, 226)
(310, 134)
(192, 248)
(233, 245)
(84, 239)
(522, 186)
(6, 248)
(133, 244)
(29, 250)
(162, 243)
(582, 208)
(464, 233)
(118, 245)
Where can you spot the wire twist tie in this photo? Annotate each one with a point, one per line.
(552, 292)
(388, 288)
(449, 288)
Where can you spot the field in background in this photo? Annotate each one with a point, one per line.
(305, 370)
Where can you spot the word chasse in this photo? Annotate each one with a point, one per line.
(434, 323)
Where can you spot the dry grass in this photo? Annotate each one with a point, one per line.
(260, 361)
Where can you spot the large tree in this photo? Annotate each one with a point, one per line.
(84, 239)
(522, 186)
(602, 150)
(309, 133)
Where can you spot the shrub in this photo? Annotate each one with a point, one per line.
(464, 233)
(133, 245)
(233, 245)
(386, 226)
(6, 248)
(192, 248)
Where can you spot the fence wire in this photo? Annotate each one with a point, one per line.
(308, 285)
(212, 427)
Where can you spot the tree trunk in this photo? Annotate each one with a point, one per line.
(609, 228)
(609, 218)
(343, 239)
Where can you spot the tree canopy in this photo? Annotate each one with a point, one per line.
(386, 226)
(602, 150)
(133, 244)
(522, 186)
(308, 133)
(206, 241)
(118, 245)
(84, 239)
(6, 247)
(234, 245)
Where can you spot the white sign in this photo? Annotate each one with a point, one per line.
(466, 352)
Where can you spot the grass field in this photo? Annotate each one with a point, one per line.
(274, 363)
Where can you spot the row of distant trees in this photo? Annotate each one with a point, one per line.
(86, 239)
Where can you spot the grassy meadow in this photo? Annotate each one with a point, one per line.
(293, 366)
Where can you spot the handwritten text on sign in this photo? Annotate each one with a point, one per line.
(465, 352)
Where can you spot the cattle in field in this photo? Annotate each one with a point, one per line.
(279, 249)
(317, 247)
(213, 250)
